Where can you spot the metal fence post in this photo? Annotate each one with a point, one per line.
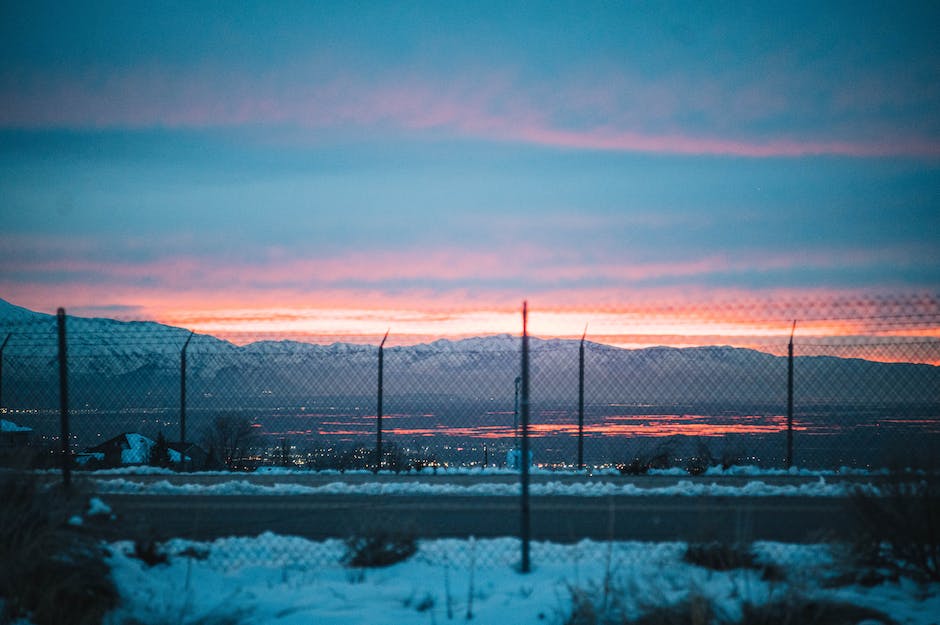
(64, 402)
(2, 347)
(525, 566)
(378, 410)
(183, 396)
(790, 398)
(581, 402)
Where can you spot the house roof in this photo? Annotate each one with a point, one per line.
(135, 448)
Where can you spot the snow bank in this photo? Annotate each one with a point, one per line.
(9, 426)
(754, 471)
(282, 580)
(820, 488)
(133, 470)
(715, 471)
(96, 507)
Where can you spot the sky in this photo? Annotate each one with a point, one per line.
(330, 170)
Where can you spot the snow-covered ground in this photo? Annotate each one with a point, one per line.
(754, 488)
(715, 471)
(283, 580)
(806, 483)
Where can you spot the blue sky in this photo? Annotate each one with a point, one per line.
(187, 159)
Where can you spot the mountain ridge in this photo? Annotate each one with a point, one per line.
(113, 360)
(11, 314)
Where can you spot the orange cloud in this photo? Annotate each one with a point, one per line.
(357, 297)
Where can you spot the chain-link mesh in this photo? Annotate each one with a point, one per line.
(864, 392)
(857, 399)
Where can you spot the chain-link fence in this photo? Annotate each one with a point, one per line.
(813, 391)
(856, 400)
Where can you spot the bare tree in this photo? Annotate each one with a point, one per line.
(160, 453)
(228, 439)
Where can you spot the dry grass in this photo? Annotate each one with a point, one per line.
(719, 556)
(378, 548)
(799, 610)
(900, 528)
(52, 573)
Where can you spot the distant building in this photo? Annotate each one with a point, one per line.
(125, 449)
(13, 435)
(197, 458)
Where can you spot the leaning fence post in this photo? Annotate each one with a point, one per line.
(789, 461)
(183, 397)
(64, 401)
(378, 410)
(524, 419)
(2, 347)
(581, 402)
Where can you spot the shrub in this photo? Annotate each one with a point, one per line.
(592, 607)
(730, 457)
(701, 461)
(51, 574)
(228, 440)
(899, 530)
(393, 458)
(799, 610)
(150, 552)
(378, 548)
(159, 455)
(662, 459)
(598, 604)
(694, 609)
(583, 608)
(719, 556)
(697, 465)
(637, 466)
(423, 462)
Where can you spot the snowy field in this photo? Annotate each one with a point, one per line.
(288, 580)
(280, 579)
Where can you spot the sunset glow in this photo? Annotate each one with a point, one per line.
(628, 426)
(675, 174)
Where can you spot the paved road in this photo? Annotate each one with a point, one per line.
(557, 518)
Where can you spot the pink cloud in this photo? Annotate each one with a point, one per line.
(68, 261)
(614, 140)
(624, 114)
(354, 297)
(68, 271)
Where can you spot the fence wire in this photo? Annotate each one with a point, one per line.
(858, 402)
(864, 396)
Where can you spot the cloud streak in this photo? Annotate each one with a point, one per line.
(63, 260)
(627, 115)
(426, 292)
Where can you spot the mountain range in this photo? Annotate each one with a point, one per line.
(115, 364)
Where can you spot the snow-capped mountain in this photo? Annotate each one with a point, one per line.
(12, 314)
(124, 363)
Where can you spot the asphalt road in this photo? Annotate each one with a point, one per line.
(556, 518)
